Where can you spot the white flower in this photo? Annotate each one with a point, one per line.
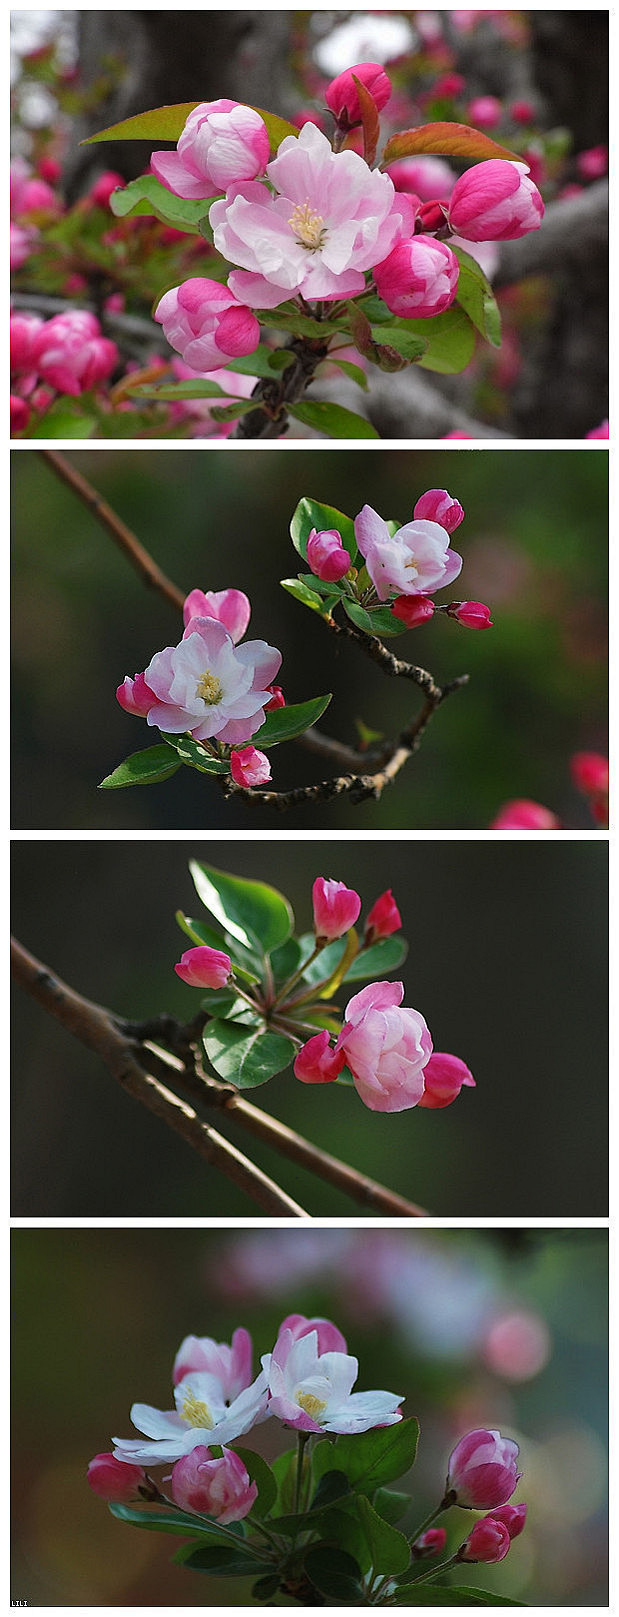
(202, 1417)
(312, 1391)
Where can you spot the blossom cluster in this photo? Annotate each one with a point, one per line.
(67, 354)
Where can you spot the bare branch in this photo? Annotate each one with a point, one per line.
(270, 418)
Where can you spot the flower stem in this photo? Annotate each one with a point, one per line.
(296, 975)
(427, 1523)
(427, 1577)
(302, 1439)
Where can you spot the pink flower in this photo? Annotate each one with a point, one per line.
(114, 1480)
(317, 1062)
(326, 555)
(204, 1406)
(419, 278)
(513, 1518)
(590, 773)
(331, 219)
(603, 431)
(336, 908)
(277, 699)
(495, 201)
(439, 506)
(222, 143)
(220, 1488)
(522, 112)
(482, 1470)
(485, 112)
(488, 1540)
(413, 609)
(473, 614)
(521, 814)
(386, 1046)
(312, 1391)
(102, 189)
(432, 1542)
(250, 767)
(204, 967)
(230, 1364)
(206, 324)
(230, 607)
(414, 561)
(593, 163)
(444, 1076)
(24, 330)
(425, 177)
(383, 919)
(19, 412)
(330, 1340)
(205, 685)
(71, 354)
(342, 97)
(22, 241)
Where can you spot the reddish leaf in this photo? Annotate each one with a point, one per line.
(446, 140)
(167, 123)
(369, 119)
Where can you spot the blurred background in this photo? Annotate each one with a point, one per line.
(505, 1328)
(507, 942)
(534, 542)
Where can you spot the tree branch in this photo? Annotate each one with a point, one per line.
(148, 570)
(270, 418)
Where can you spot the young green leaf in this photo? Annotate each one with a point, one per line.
(284, 723)
(476, 297)
(332, 419)
(335, 1573)
(410, 344)
(450, 340)
(246, 1057)
(358, 615)
(192, 753)
(142, 769)
(147, 195)
(391, 1504)
(200, 932)
(379, 960)
(257, 915)
(260, 1473)
(371, 1459)
(353, 371)
(308, 597)
(313, 514)
(389, 1549)
(169, 1521)
(167, 123)
(221, 1561)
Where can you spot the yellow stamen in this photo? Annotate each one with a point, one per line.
(209, 688)
(196, 1413)
(309, 228)
(312, 1406)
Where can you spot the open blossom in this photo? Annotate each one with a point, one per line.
(331, 219)
(204, 968)
(206, 324)
(483, 1470)
(414, 561)
(495, 201)
(312, 1391)
(419, 278)
(207, 1410)
(222, 142)
(336, 908)
(230, 1363)
(230, 607)
(342, 96)
(213, 1487)
(386, 1046)
(205, 685)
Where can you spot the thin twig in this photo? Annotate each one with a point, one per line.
(270, 418)
(149, 572)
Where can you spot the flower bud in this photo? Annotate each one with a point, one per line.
(482, 1470)
(102, 189)
(135, 696)
(115, 1480)
(222, 144)
(495, 201)
(342, 97)
(413, 609)
(277, 698)
(419, 278)
(593, 164)
(485, 112)
(206, 324)
(383, 919)
(432, 1542)
(330, 1339)
(521, 814)
(590, 773)
(317, 1062)
(522, 112)
(444, 1076)
(20, 414)
(336, 908)
(24, 329)
(326, 555)
(230, 607)
(250, 767)
(473, 614)
(439, 506)
(513, 1518)
(488, 1540)
(204, 967)
(219, 1488)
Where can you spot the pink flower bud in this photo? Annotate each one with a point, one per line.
(590, 773)
(336, 908)
(115, 1480)
(204, 968)
(485, 112)
(222, 144)
(495, 201)
(71, 354)
(383, 919)
(593, 164)
(102, 189)
(432, 1542)
(20, 414)
(219, 1488)
(419, 278)
(444, 1077)
(521, 814)
(230, 607)
(449, 85)
(413, 609)
(50, 170)
(317, 1062)
(135, 696)
(206, 325)
(341, 94)
(488, 1540)
(326, 555)
(250, 767)
(513, 1518)
(473, 614)
(24, 330)
(277, 699)
(330, 1340)
(431, 217)
(439, 506)
(482, 1470)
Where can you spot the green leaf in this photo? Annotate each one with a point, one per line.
(147, 195)
(231, 412)
(371, 1459)
(284, 1469)
(358, 615)
(476, 297)
(265, 1587)
(263, 362)
(377, 961)
(335, 1573)
(62, 422)
(284, 723)
(391, 1504)
(313, 514)
(260, 1473)
(353, 371)
(438, 1595)
(142, 769)
(193, 753)
(410, 344)
(332, 1485)
(176, 390)
(319, 586)
(220, 1561)
(257, 915)
(451, 340)
(307, 597)
(246, 1057)
(289, 318)
(167, 1521)
(167, 123)
(389, 1549)
(384, 622)
(447, 140)
(200, 932)
(332, 419)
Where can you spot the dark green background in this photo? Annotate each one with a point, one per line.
(535, 548)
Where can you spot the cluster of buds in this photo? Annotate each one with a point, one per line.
(67, 354)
